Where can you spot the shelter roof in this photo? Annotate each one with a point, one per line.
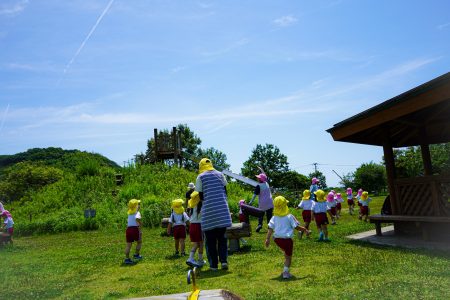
(418, 116)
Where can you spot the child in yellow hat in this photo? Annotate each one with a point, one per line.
(306, 205)
(177, 225)
(133, 232)
(364, 209)
(195, 231)
(319, 214)
(282, 226)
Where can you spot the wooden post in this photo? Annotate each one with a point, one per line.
(155, 133)
(390, 172)
(426, 158)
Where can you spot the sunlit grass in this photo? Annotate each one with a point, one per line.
(88, 265)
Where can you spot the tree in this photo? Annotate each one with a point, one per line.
(409, 163)
(292, 180)
(218, 158)
(270, 159)
(348, 180)
(370, 177)
(319, 175)
(190, 143)
(26, 177)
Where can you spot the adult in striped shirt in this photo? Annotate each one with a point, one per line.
(211, 186)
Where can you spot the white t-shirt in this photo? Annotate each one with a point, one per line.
(306, 204)
(331, 204)
(196, 217)
(283, 227)
(9, 222)
(178, 219)
(319, 207)
(132, 219)
(366, 202)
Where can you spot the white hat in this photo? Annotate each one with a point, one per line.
(191, 185)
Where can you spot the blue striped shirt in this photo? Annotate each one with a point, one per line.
(215, 210)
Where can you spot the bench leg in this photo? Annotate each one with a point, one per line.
(378, 228)
(234, 245)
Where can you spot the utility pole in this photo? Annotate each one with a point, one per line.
(315, 167)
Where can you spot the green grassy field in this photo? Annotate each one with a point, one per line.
(88, 265)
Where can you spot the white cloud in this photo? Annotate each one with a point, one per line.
(285, 21)
(442, 26)
(11, 9)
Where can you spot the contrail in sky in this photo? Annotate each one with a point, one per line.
(4, 117)
(85, 40)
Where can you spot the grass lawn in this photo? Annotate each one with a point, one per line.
(88, 265)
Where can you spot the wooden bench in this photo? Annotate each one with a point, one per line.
(235, 233)
(5, 238)
(418, 220)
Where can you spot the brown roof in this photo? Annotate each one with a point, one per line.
(418, 116)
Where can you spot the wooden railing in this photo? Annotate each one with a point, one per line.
(423, 196)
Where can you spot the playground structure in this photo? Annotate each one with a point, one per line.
(168, 146)
(418, 117)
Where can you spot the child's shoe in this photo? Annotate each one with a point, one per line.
(333, 222)
(177, 253)
(183, 253)
(137, 256)
(258, 228)
(321, 236)
(128, 261)
(308, 233)
(300, 234)
(192, 263)
(201, 262)
(286, 275)
(224, 266)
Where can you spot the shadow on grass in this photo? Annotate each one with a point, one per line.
(242, 250)
(211, 274)
(426, 252)
(293, 278)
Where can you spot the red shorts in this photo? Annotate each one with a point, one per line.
(364, 210)
(338, 206)
(306, 215)
(133, 234)
(321, 219)
(332, 210)
(243, 218)
(195, 232)
(179, 232)
(350, 202)
(287, 245)
(11, 231)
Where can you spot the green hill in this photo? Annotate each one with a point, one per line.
(53, 157)
(48, 190)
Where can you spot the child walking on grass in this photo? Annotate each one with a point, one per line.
(282, 226)
(177, 225)
(319, 214)
(365, 200)
(7, 227)
(306, 205)
(133, 233)
(195, 231)
(331, 203)
(350, 201)
(339, 201)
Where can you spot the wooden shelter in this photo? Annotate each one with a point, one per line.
(168, 146)
(418, 117)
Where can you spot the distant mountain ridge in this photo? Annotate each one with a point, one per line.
(53, 156)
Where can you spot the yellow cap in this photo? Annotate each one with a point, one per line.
(364, 196)
(205, 165)
(306, 195)
(132, 206)
(280, 206)
(320, 196)
(177, 206)
(195, 199)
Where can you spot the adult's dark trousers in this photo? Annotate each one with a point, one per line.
(216, 246)
(268, 214)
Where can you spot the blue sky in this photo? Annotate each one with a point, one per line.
(100, 75)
